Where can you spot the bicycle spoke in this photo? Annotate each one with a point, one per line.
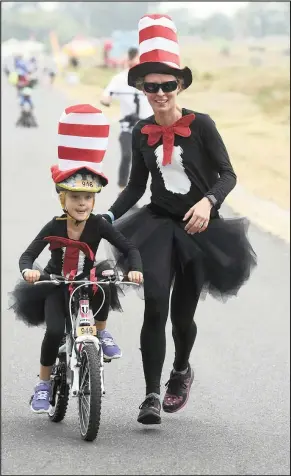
(83, 428)
(84, 376)
(84, 399)
(84, 406)
(90, 393)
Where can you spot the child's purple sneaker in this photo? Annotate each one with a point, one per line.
(41, 399)
(109, 347)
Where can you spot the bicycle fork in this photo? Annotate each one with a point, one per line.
(74, 363)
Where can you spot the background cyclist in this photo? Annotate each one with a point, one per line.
(133, 106)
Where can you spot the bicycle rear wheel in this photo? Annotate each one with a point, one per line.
(90, 392)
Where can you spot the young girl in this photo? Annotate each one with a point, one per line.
(74, 239)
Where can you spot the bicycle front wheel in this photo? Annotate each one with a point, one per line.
(61, 390)
(90, 392)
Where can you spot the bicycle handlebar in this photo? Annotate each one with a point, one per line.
(55, 279)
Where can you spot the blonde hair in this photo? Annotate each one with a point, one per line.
(139, 83)
(180, 84)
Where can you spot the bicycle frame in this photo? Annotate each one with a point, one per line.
(73, 345)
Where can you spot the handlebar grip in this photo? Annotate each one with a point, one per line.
(58, 277)
(44, 277)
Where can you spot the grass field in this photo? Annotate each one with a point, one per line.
(247, 93)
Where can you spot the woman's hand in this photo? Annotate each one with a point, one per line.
(135, 277)
(31, 275)
(200, 214)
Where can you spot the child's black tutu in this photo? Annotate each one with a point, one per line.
(221, 257)
(28, 300)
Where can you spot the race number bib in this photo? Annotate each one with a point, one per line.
(85, 183)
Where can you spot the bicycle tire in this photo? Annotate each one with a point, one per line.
(62, 394)
(90, 358)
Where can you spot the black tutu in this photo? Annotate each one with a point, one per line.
(28, 300)
(221, 258)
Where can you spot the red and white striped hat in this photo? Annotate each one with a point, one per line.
(82, 142)
(158, 50)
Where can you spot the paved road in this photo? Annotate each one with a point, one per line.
(237, 418)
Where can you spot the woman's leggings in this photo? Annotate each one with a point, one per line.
(184, 301)
(55, 318)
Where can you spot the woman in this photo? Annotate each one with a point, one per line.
(179, 234)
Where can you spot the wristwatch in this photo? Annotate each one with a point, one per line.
(108, 216)
(212, 200)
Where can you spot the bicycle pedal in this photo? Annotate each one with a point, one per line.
(107, 360)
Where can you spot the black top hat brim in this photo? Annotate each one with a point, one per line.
(142, 69)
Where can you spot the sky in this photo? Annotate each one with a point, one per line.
(200, 9)
(204, 9)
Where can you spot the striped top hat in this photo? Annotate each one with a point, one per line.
(158, 50)
(82, 142)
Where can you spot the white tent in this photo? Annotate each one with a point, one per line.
(26, 48)
(9, 47)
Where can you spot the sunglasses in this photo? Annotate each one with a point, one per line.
(167, 87)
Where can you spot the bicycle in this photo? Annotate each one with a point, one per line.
(79, 369)
(26, 118)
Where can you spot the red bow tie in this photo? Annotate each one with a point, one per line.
(60, 242)
(155, 132)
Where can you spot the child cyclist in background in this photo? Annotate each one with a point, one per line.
(74, 239)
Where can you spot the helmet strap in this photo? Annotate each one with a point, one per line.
(62, 197)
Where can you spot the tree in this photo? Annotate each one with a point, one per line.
(259, 19)
(102, 18)
(99, 19)
(217, 25)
